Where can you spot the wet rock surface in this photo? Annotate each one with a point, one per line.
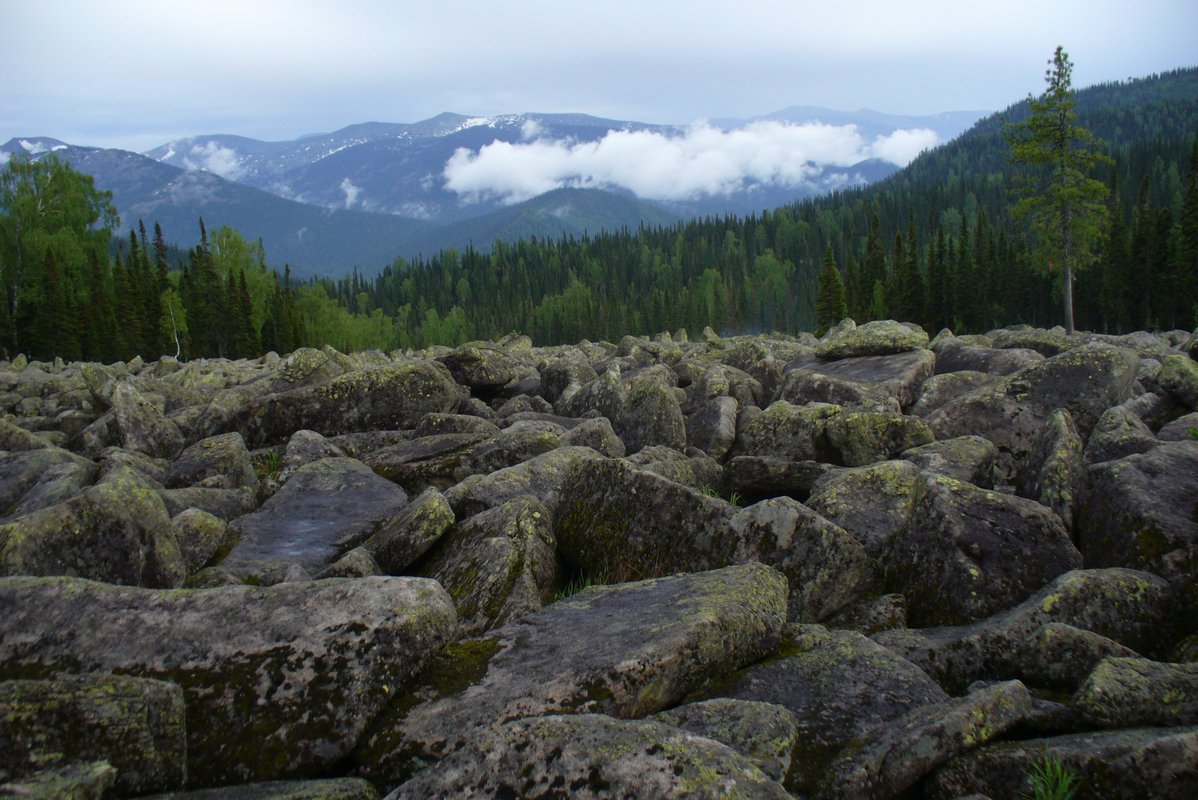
(864, 566)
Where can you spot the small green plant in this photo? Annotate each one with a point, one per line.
(270, 464)
(1051, 780)
(573, 586)
(734, 498)
(707, 491)
(1194, 433)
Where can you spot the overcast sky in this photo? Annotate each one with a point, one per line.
(135, 74)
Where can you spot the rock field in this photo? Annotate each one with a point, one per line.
(870, 565)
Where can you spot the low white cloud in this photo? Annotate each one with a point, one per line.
(212, 157)
(701, 161)
(4, 156)
(351, 192)
(902, 146)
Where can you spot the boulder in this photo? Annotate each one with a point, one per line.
(134, 724)
(939, 390)
(651, 415)
(498, 565)
(319, 789)
(592, 756)
(697, 471)
(764, 733)
(872, 503)
(893, 758)
(626, 651)
(837, 685)
(597, 434)
(480, 366)
(1179, 377)
(1113, 765)
(226, 504)
(403, 538)
(284, 678)
(1142, 512)
(1047, 343)
(389, 397)
(1126, 606)
(117, 531)
(34, 479)
(965, 458)
(541, 476)
(203, 538)
(140, 425)
(1060, 656)
(1180, 429)
(956, 355)
(93, 780)
(898, 376)
(1054, 471)
(1130, 692)
(1011, 412)
(218, 462)
(441, 461)
(760, 477)
(877, 338)
(1118, 433)
(966, 553)
(712, 428)
(857, 438)
(783, 430)
(326, 508)
(810, 386)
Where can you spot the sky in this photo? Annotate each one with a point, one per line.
(136, 74)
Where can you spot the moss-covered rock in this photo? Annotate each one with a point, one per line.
(203, 538)
(712, 428)
(651, 415)
(889, 380)
(218, 462)
(872, 503)
(877, 338)
(597, 434)
(1111, 765)
(895, 757)
(37, 478)
(627, 650)
(1126, 606)
(1129, 692)
(761, 477)
(403, 538)
(498, 565)
(593, 756)
(284, 679)
(135, 724)
(480, 366)
(1142, 511)
(1118, 433)
(386, 397)
(1054, 471)
(443, 460)
(783, 430)
(857, 438)
(116, 531)
(838, 685)
(541, 476)
(93, 780)
(318, 789)
(1011, 412)
(956, 355)
(1179, 377)
(1060, 656)
(964, 458)
(141, 426)
(764, 733)
(942, 389)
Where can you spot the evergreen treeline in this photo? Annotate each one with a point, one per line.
(933, 244)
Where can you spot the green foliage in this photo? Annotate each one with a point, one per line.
(269, 464)
(1194, 433)
(573, 586)
(1051, 780)
(830, 306)
(1061, 200)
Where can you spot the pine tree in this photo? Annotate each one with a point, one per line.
(830, 307)
(1062, 203)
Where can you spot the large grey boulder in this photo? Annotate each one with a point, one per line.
(1129, 692)
(1126, 606)
(898, 376)
(1142, 511)
(483, 367)
(117, 531)
(838, 685)
(651, 415)
(1011, 412)
(279, 681)
(1118, 433)
(712, 428)
(872, 503)
(317, 789)
(541, 476)
(965, 458)
(443, 460)
(592, 756)
(36, 478)
(966, 553)
(877, 338)
(941, 389)
(626, 651)
(141, 426)
(761, 477)
(1054, 472)
(498, 565)
(403, 538)
(218, 462)
(326, 508)
(764, 733)
(383, 398)
(954, 354)
(134, 724)
(857, 438)
(1113, 765)
(1179, 377)
(783, 430)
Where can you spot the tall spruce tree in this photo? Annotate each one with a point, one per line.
(1063, 204)
(830, 306)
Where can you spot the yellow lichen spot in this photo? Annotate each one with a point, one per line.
(1049, 602)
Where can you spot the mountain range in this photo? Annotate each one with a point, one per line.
(363, 195)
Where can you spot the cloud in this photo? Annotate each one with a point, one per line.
(703, 160)
(351, 192)
(212, 157)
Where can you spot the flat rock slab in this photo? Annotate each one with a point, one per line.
(277, 681)
(627, 650)
(593, 756)
(324, 509)
(326, 789)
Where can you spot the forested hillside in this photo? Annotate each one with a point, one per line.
(934, 244)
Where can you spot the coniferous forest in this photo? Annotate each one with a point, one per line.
(935, 244)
